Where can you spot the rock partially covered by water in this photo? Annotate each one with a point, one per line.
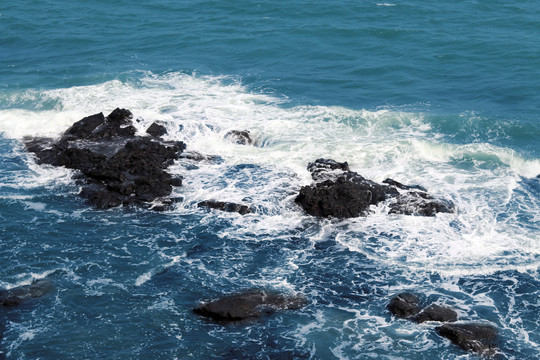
(249, 304)
(116, 166)
(436, 313)
(478, 338)
(240, 137)
(157, 129)
(225, 206)
(20, 294)
(420, 203)
(404, 305)
(339, 192)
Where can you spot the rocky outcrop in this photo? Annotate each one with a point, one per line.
(115, 166)
(436, 313)
(478, 338)
(240, 137)
(248, 305)
(225, 206)
(404, 305)
(341, 193)
(20, 294)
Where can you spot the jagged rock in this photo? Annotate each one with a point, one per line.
(436, 313)
(402, 186)
(20, 294)
(348, 195)
(404, 305)
(156, 129)
(339, 192)
(249, 304)
(323, 168)
(225, 206)
(478, 338)
(116, 167)
(420, 203)
(239, 137)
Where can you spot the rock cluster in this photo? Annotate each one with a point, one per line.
(341, 193)
(478, 338)
(116, 167)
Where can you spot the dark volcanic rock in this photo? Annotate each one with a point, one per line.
(348, 195)
(116, 166)
(404, 305)
(323, 168)
(339, 192)
(225, 206)
(20, 294)
(420, 203)
(436, 313)
(240, 137)
(249, 304)
(478, 338)
(156, 129)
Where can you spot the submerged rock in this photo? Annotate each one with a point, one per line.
(478, 338)
(225, 206)
(339, 192)
(116, 167)
(20, 294)
(249, 304)
(240, 137)
(436, 313)
(404, 305)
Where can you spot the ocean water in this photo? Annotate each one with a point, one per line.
(445, 95)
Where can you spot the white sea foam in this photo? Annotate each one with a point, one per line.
(482, 179)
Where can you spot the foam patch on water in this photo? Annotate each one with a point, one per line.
(487, 233)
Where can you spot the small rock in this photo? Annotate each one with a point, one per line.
(249, 304)
(478, 338)
(225, 206)
(402, 186)
(322, 168)
(156, 129)
(240, 137)
(436, 313)
(404, 305)
(420, 203)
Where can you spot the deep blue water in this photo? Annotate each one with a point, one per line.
(446, 95)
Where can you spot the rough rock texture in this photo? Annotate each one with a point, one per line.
(249, 304)
(478, 338)
(402, 186)
(20, 294)
(404, 305)
(225, 206)
(116, 167)
(339, 192)
(241, 137)
(436, 313)
(157, 129)
(420, 203)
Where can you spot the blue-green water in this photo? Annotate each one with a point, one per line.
(446, 95)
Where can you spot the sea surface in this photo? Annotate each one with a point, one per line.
(443, 94)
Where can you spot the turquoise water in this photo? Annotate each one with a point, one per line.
(446, 95)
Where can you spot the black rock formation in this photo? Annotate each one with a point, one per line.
(115, 166)
(478, 338)
(249, 304)
(156, 129)
(404, 305)
(339, 192)
(20, 294)
(225, 206)
(436, 313)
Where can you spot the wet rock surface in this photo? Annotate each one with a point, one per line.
(241, 137)
(478, 338)
(436, 313)
(225, 206)
(21, 294)
(341, 193)
(404, 305)
(116, 166)
(157, 129)
(248, 305)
